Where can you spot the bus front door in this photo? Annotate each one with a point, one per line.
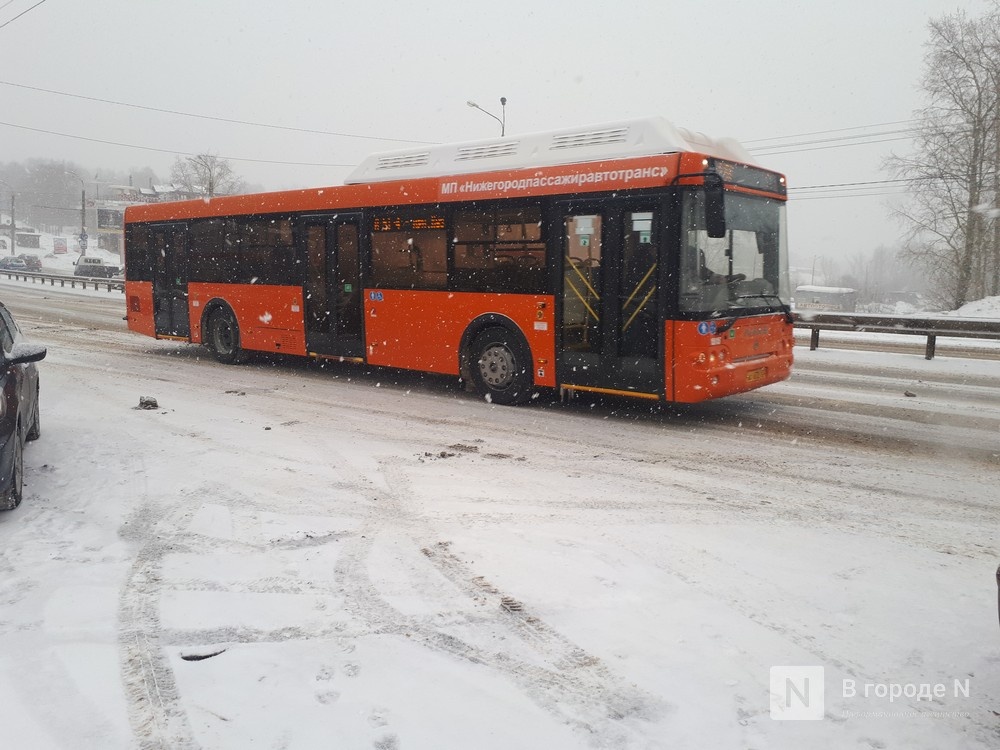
(611, 327)
(332, 288)
(170, 280)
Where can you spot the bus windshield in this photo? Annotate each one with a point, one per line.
(746, 269)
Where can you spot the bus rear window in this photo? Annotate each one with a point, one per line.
(137, 263)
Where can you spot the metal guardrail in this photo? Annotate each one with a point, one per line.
(976, 328)
(72, 281)
(973, 328)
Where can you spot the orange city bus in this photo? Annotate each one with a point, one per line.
(630, 258)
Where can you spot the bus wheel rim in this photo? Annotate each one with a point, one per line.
(496, 366)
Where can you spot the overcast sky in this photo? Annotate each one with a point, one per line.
(768, 69)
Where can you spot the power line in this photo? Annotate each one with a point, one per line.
(2, 26)
(853, 184)
(836, 145)
(848, 195)
(824, 132)
(169, 151)
(861, 139)
(207, 117)
(834, 140)
(767, 148)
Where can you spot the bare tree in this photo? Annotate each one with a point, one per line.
(206, 174)
(953, 170)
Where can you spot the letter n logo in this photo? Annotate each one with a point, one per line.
(797, 693)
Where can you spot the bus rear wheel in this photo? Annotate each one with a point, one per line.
(500, 366)
(224, 337)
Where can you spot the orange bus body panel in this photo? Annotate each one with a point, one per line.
(423, 330)
(710, 362)
(139, 307)
(270, 317)
(588, 177)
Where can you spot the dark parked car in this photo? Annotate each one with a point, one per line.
(19, 416)
(12, 263)
(95, 268)
(33, 262)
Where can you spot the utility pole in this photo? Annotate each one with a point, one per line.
(83, 212)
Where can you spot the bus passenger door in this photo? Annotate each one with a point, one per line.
(168, 247)
(332, 288)
(611, 327)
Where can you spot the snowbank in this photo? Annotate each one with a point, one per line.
(52, 262)
(988, 307)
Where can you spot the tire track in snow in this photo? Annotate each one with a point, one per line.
(156, 710)
(570, 683)
(157, 717)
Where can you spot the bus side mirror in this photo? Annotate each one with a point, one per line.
(715, 206)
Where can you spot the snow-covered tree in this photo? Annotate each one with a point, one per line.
(953, 219)
(207, 175)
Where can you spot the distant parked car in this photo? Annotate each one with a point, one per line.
(33, 262)
(94, 268)
(12, 263)
(19, 416)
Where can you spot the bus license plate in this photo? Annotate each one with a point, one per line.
(759, 374)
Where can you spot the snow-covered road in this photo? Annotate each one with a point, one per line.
(284, 555)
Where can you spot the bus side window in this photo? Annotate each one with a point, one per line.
(499, 250)
(208, 256)
(409, 252)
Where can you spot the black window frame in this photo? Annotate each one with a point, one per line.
(138, 265)
(379, 278)
(511, 277)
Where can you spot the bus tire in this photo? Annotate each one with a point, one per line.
(224, 337)
(500, 366)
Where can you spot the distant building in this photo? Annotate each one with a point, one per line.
(28, 239)
(111, 209)
(825, 298)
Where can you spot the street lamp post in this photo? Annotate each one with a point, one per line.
(503, 112)
(13, 230)
(83, 212)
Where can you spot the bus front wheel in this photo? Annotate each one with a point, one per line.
(500, 366)
(224, 337)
